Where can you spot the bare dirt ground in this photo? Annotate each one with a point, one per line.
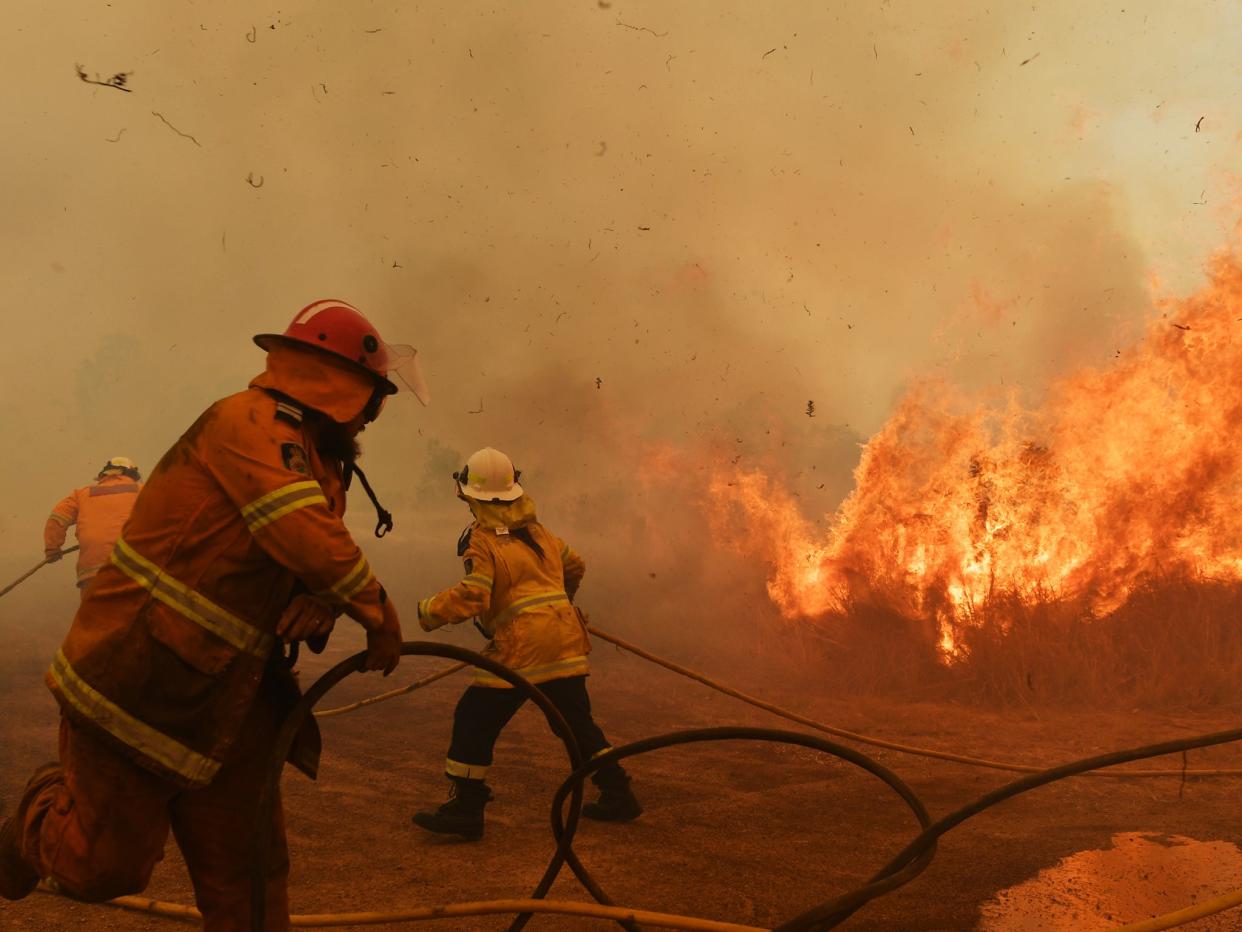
(750, 833)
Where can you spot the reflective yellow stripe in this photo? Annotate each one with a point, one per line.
(275, 505)
(140, 736)
(352, 582)
(526, 604)
(455, 768)
(570, 666)
(478, 581)
(60, 519)
(190, 604)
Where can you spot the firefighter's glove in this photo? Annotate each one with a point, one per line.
(306, 616)
(384, 642)
(52, 556)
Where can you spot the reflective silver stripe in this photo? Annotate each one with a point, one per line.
(60, 519)
(278, 503)
(455, 768)
(522, 605)
(570, 666)
(290, 410)
(113, 490)
(190, 604)
(137, 734)
(351, 583)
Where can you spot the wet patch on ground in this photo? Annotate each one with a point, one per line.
(1141, 875)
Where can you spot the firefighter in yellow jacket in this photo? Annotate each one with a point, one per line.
(520, 580)
(170, 681)
(97, 513)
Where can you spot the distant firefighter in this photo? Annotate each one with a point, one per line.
(172, 681)
(520, 582)
(99, 512)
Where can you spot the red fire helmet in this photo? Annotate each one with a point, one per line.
(340, 329)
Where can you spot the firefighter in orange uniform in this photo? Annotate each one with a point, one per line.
(170, 682)
(520, 581)
(99, 512)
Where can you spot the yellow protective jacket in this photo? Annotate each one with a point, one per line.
(165, 655)
(522, 602)
(99, 512)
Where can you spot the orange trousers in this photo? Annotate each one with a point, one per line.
(97, 825)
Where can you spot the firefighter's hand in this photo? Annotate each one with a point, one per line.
(52, 556)
(307, 616)
(384, 642)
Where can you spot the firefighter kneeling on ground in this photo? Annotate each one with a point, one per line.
(520, 582)
(99, 512)
(172, 682)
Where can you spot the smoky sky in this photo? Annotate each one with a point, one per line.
(604, 226)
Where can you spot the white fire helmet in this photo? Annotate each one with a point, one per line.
(120, 464)
(489, 476)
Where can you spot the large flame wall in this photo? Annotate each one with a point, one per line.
(1122, 476)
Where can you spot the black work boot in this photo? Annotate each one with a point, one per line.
(17, 877)
(462, 814)
(616, 802)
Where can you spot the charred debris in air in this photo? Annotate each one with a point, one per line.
(116, 82)
(164, 119)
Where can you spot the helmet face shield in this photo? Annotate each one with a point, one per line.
(403, 363)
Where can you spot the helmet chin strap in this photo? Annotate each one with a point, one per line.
(384, 524)
(374, 404)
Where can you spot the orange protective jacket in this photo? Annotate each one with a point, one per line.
(166, 653)
(99, 511)
(522, 602)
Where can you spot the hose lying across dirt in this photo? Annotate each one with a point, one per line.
(793, 717)
(904, 867)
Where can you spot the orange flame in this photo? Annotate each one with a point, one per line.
(1124, 475)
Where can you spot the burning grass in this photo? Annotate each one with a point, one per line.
(1174, 643)
(1087, 549)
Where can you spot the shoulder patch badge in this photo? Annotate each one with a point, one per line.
(463, 542)
(294, 458)
(469, 562)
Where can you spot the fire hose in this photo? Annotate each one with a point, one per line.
(30, 572)
(904, 867)
(790, 716)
